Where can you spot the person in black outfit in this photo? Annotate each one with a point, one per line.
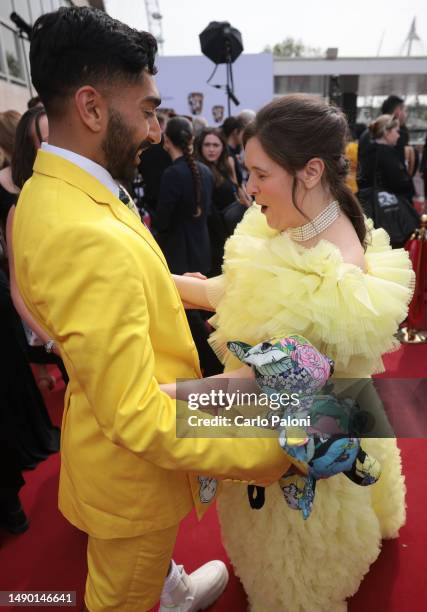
(26, 433)
(381, 159)
(12, 516)
(185, 200)
(154, 161)
(233, 132)
(211, 149)
(184, 203)
(394, 106)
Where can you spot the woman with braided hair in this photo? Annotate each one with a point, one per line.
(184, 204)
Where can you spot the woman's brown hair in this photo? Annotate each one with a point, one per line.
(180, 132)
(25, 150)
(221, 169)
(8, 123)
(296, 128)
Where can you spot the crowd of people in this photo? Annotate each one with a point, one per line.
(383, 160)
(183, 238)
(223, 202)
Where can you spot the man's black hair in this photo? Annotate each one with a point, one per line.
(390, 104)
(78, 46)
(231, 124)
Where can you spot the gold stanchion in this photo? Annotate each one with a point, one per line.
(411, 336)
(416, 246)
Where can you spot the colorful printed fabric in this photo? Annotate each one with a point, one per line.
(292, 365)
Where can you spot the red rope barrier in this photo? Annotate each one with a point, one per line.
(417, 249)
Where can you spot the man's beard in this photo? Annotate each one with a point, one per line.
(120, 148)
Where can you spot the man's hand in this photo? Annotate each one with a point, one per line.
(169, 388)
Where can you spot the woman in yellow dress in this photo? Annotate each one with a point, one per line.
(305, 260)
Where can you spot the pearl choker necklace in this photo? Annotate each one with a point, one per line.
(317, 225)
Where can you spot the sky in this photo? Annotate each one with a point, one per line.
(360, 28)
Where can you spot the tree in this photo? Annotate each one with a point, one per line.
(293, 48)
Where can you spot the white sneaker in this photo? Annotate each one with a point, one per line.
(197, 591)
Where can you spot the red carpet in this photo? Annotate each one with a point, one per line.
(51, 554)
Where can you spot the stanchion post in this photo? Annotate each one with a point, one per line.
(410, 333)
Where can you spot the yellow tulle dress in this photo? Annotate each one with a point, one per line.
(272, 285)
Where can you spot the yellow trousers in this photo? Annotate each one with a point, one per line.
(127, 574)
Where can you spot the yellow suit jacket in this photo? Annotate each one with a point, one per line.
(94, 278)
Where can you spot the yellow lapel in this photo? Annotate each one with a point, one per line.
(53, 165)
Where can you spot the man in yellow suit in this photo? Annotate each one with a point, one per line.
(94, 278)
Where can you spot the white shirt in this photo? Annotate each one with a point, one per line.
(91, 167)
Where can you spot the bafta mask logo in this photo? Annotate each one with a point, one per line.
(218, 113)
(195, 102)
